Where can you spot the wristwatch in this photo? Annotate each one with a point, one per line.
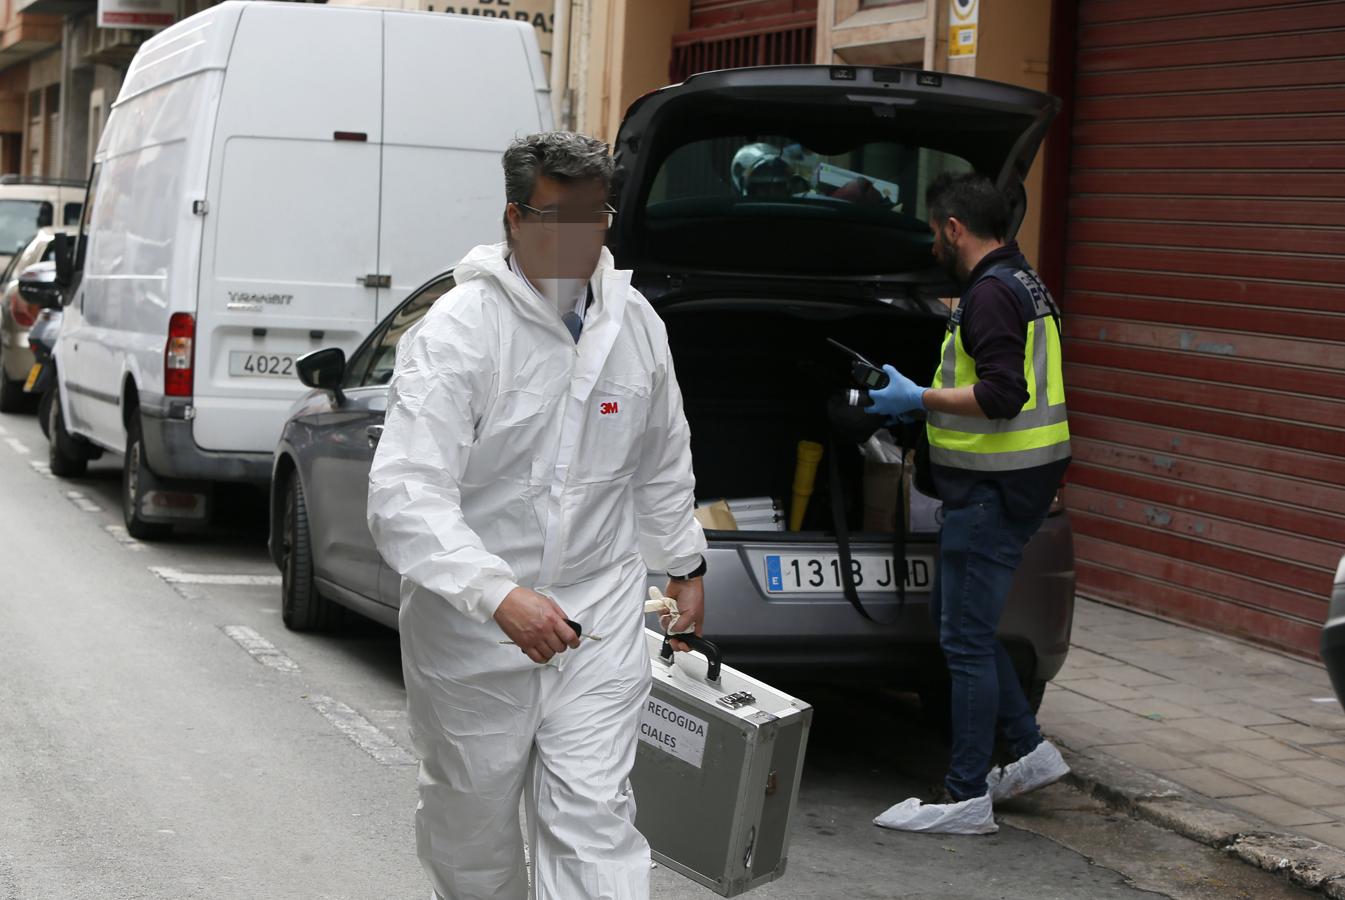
(694, 573)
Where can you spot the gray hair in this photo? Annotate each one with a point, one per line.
(562, 155)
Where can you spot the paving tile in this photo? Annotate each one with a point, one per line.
(1086, 659)
(1119, 721)
(1303, 735)
(1129, 676)
(1242, 714)
(1150, 660)
(1081, 735)
(1185, 643)
(1290, 685)
(1265, 698)
(1329, 833)
(1330, 751)
(1278, 811)
(1184, 694)
(1303, 791)
(1317, 717)
(1174, 740)
(1144, 756)
(1327, 771)
(1101, 689)
(1066, 701)
(1218, 730)
(1210, 677)
(1211, 784)
(1239, 765)
(1155, 709)
(1267, 748)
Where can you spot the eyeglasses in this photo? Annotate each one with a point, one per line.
(598, 219)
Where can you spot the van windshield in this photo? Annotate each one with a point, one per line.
(19, 222)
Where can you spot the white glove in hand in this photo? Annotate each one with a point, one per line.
(664, 606)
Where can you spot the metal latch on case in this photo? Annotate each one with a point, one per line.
(738, 700)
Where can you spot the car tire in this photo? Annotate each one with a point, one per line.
(12, 397)
(302, 608)
(135, 469)
(44, 412)
(63, 455)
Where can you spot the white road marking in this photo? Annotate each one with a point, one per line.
(1325, 700)
(42, 468)
(17, 445)
(174, 576)
(120, 535)
(259, 648)
(366, 735)
(82, 502)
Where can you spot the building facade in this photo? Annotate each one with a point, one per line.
(1189, 212)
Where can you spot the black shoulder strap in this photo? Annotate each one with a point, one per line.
(843, 537)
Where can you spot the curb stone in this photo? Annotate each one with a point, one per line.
(1303, 861)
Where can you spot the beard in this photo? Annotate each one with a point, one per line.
(949, 260)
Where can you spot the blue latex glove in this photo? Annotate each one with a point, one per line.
(901, 396)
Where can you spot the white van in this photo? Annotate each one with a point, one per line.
(274, 178)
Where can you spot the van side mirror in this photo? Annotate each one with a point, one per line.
(63, 252)
(37, 287)
(325, 370)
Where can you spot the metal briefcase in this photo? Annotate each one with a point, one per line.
(717, 769)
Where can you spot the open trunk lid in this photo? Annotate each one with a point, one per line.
(811, 172)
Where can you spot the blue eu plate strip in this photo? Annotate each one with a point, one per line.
(774, 581)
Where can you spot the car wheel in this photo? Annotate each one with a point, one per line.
(12, 397)
(44, 412)
(134, 471)
(301, 606)
(62, 455)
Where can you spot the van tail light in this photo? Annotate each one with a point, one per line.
(178, 356)
(24, 314)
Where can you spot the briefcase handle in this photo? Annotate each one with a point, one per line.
(711, 652)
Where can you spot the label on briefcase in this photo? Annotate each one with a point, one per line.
(673, 731)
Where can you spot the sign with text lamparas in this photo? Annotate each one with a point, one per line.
(540, 14)
(137, 13)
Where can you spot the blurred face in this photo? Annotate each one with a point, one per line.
(560, 231)
(949, 234)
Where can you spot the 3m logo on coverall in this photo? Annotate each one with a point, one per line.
(673, 731)
(609, 408)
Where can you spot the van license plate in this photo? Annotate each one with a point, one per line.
(820, 573)
(264, 365)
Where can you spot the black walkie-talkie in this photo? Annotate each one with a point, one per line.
(868, 376)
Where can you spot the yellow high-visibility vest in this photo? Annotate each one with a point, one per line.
(1039, 434)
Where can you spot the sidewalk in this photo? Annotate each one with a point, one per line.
(1254, 739)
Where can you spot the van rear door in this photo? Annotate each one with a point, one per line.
(445, 127)
(290, 247)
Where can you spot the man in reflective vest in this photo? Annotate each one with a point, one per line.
(998, 447)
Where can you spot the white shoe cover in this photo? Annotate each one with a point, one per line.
(974, 816)
(1039, 768)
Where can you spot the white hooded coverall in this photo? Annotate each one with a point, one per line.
(513, 456)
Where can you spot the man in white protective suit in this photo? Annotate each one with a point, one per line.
(535, 465)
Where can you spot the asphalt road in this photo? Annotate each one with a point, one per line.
(162, 735)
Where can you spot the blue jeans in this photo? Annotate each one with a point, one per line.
(979, 549)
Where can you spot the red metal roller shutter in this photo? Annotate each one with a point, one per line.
(1205, 316)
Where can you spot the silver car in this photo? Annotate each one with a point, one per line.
(763, 211)
(17, 316)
